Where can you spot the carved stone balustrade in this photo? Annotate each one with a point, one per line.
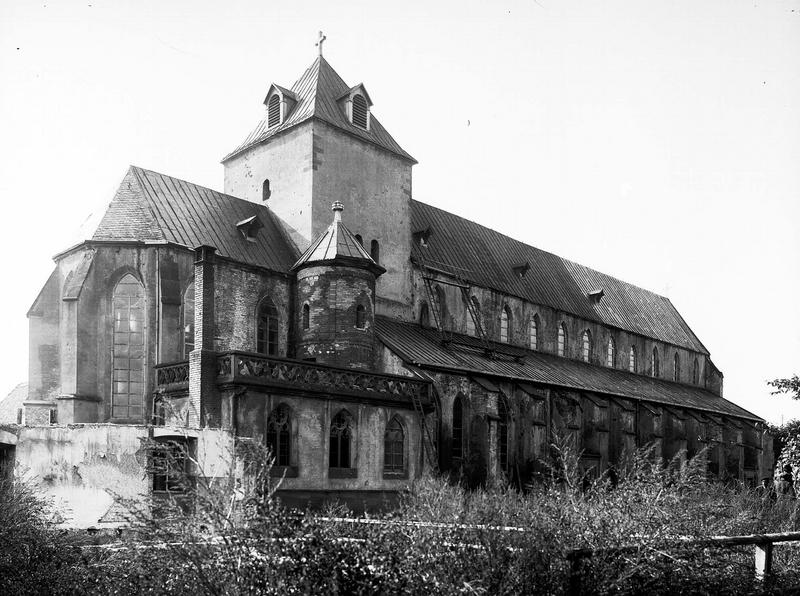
(243, 368)
(173, 376)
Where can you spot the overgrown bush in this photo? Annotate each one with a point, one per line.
(446, 539)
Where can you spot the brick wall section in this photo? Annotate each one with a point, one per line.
(204, 407)
(333, 293)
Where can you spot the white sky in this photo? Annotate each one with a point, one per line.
(655, 141)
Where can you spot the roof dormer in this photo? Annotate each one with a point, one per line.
(279, 102)
(249, 227)
(357, 104)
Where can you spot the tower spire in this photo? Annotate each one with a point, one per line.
(322, 38)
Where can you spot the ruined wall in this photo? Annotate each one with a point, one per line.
(309, 454)
(84, 468)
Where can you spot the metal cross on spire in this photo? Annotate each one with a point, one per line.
(319, 43)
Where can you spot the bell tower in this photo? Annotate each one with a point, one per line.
(318, 142)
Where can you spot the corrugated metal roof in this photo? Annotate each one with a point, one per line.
(335, 244)
(153, 207)
(422, 347)
(317, 92)
(487, 258)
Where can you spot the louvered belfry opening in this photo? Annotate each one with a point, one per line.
(360, 111)
(274, 111)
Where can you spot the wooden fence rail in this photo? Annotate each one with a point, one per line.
(763, 544)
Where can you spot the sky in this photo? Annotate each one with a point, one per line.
(658, 142)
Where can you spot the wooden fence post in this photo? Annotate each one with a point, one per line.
(763, 560)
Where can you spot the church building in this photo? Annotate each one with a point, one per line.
(366, 337)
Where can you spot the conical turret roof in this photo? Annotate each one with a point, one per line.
(338, 246)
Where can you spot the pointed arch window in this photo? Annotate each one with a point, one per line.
(375, 251)
(360, 111)
(267, 327)
(306, 316)
(441, 299)
(502, 433)
(274, 111)
(611, 352)
(457, 447)
(188, 320)
(279, 435)
(632, 359)
(562, 340)
(393, 448)
(696, 372)
(533, 333)
(361, 316)
(655, 365)
(676, 370)
(505, 323)
(341, 435)
(128, 303)
(586, 346)
(424, 315)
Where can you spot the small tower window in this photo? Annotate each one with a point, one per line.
(273, 111)
(360, 239)
(611, 352)
(266, 193)
(632, 360)
(306, 316)
(360, 113)
(586, 346)
(361, 317)
(676, 371)
(562, 339)
(375, 251)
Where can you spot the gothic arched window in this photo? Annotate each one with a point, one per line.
(274, 111)
(611, 352)
(696, 372)
(457, 447)
(341, 434)
(279, 435)
(586, 346)
(441, 299)
(360, 111)
(393, 447)
(424, 315)
(361, 316)
(632, 359)
(267, 327)
(375, 251)
(188, 320)
(562, 340)
(505, 323)
(306, 316)
(502, 434)
(676, 371)
(128, 303)
(655, 365)
(533, 332)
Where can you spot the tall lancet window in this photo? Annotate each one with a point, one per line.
(676, 370)
(505, 323)
(127, 397)
(562, 340)
(188, 320)
(655, 365)
(611, 352)
(533, 333)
